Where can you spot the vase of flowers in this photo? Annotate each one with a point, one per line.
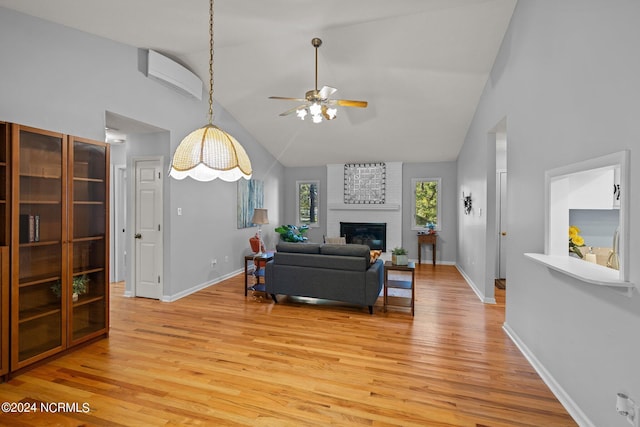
(575, 241)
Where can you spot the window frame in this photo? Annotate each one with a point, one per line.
(298, 218)
(414, 182)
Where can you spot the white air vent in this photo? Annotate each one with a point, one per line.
(165, 70)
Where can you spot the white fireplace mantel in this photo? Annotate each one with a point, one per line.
(364, 207)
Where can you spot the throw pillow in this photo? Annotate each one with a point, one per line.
(375, 254)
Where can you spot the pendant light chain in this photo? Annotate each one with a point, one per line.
(210, 62)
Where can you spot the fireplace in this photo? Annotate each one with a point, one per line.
(372, 234)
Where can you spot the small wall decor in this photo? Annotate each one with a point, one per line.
(250, 196)
(467, 203)
(364, 183)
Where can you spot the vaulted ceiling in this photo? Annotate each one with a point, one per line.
(420, 64)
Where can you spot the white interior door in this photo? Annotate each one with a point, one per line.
(147, 231)
(502, 258)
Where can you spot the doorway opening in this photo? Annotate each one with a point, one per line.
(132, 140)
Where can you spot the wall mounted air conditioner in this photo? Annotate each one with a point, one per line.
(169, 72)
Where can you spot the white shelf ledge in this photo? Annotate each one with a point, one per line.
(584, 271)
(363, 206)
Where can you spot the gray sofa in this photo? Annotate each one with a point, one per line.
(335, 272)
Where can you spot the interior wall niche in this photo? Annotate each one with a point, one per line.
(596, 184)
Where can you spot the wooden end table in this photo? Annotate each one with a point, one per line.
(259, 263)
(425, 239)
(400, 284)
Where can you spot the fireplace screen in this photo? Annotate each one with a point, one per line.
(372, 234)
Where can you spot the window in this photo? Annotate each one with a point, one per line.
(308, 202)
(426, 208)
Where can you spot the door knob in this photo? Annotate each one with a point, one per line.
(504, 233)
(138, 236)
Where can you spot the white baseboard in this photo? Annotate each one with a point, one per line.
(473, 286)
(194, 289)
(562, 396)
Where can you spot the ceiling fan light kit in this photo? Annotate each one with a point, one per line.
(316, 102)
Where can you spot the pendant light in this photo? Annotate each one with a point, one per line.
(209, 152)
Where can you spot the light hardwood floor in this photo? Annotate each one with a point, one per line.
(218, 358)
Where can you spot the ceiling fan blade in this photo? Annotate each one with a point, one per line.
(288, 99)
(292, 110)
(349, 103)
(326, 92)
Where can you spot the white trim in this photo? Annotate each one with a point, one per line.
(563, 397)
(308, 181)
(363, 207)
(473, 286)
(196, 288)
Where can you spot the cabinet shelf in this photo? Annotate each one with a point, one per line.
(38, 280)
(88, 270)
(98, 180)
(86, 301)
(87, 239)
(88, 202)
(39, 202)
(34, 314)
(42, 243)
(39, 176)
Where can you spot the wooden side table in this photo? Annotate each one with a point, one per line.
(259, 263)
(400, 284)
(427, 239)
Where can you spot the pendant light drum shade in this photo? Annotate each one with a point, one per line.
(209, 153)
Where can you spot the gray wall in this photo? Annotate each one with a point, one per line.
(566, 79)
(447, 236)
(60, 79)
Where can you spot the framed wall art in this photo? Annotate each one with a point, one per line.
(364, 183)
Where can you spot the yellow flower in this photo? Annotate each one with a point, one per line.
(573, 231)
(577, 240)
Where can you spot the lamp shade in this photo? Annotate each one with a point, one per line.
(260, 216)
(209, 153)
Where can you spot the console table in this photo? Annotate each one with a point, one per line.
(427, 239)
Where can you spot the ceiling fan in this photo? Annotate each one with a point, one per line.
(317, 102)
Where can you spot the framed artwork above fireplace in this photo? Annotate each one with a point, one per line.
(364, 183)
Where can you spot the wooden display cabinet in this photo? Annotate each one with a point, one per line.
(59, 234)
(89, 231)
(4, 248)
(38, 248)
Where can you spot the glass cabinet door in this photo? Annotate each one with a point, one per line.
(39, 288)
(4, 249)
(88, 162)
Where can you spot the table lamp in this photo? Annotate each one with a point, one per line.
(260, 217)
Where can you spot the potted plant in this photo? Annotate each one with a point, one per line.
(79, 287)
(399, 256)
(291, 233)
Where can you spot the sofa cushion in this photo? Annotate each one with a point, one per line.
(350, 250)
(298, 248)
(317, 261)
